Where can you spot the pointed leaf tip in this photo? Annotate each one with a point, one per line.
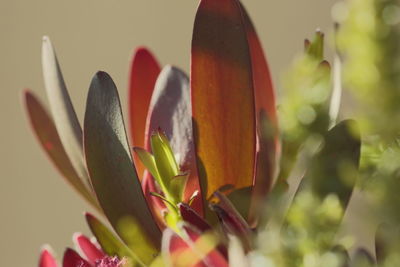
(65, 118)
(46, 258)
(191, 217)
(148, 161)
(88, 248)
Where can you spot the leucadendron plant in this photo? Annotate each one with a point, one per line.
(211, 174)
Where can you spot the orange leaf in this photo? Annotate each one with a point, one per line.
(223, 96)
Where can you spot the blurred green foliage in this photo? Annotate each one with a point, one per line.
(367, 42)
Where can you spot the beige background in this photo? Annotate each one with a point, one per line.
(36, 205)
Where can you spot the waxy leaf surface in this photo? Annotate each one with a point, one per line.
(143, 76)
(47, 135)
(109, 161)
(223, 96)
(63, 112)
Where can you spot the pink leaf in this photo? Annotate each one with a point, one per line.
(90, 250)
(47, 259)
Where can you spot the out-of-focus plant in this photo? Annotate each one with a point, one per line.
(305, 106)
(369, 38)
(206, 175)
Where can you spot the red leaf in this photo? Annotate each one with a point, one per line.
(144, 72)
(47, 259)
(90, 250)
(223, 95)
(72, 259)
(266, 121)
(232, 222)
(191, 217)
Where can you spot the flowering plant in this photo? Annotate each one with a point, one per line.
(204, 180)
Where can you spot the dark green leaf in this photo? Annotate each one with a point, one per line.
(110, 163)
